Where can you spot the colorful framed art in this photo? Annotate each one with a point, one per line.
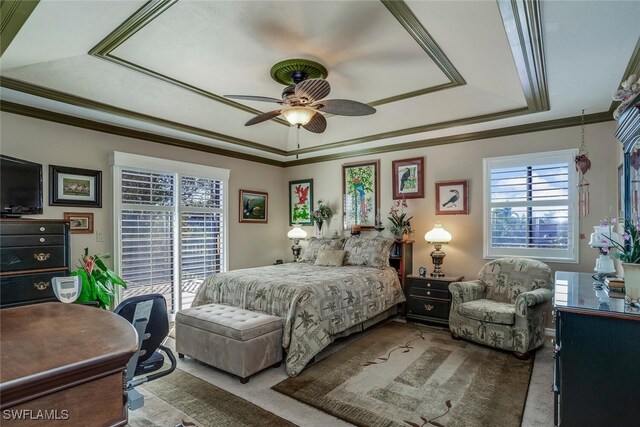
(408, 178)
(75, 187)
(254, 206)
(452, 197)
(300, 202)
(80, 222)
(360, 193)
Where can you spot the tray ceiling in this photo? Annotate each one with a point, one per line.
(432, 69)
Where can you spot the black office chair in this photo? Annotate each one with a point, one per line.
(148, 315)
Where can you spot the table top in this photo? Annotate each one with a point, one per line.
(575, 292)
(440, 279)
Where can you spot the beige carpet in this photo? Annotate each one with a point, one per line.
(409, 375)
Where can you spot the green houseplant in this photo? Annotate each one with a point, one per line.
(400, 224)
(629, 254)
(98, 281)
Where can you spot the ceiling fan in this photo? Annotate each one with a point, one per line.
(302, 100)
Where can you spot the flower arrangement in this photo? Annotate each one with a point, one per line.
(400, 224)
(629, 250)
(98, 281)
(322, 214)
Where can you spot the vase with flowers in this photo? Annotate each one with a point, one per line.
(98, 281)
(320, 215)
(400, 223)
(628, 251)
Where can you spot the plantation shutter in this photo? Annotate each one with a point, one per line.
(530, 206)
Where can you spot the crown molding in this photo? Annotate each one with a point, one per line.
(14, 13)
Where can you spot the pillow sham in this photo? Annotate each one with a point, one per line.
(311, 253)
(330, 257)
(367, 252)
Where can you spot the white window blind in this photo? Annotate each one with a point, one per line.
(530, 206)
(170, 226)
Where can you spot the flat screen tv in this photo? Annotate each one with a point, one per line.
(20, 187)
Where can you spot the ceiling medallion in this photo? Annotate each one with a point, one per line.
(293, 71)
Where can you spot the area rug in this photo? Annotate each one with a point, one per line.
(406, 375)
(204, 403)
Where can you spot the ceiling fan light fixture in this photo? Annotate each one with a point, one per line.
(299, 116)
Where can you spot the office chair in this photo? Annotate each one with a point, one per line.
(148, 315)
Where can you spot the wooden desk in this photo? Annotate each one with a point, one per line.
(65, 362)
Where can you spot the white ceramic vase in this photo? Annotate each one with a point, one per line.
(632, 282)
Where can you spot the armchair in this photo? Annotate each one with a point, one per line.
(506, 307)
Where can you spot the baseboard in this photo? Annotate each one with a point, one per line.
(550, 332)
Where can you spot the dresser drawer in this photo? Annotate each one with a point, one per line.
(428, 307)
(428, 293)
(32, 257)
(28, 288)
(430, 284)
(32, 240)
(35, 228)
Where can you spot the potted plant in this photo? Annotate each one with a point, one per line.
(322, 214)
(98, 281)
(400, 224)
(629, 253)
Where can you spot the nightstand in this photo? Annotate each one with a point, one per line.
(428, 298)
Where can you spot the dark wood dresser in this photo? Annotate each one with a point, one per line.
(428, 298)
(32, 252)
(65, 362)
(596, 352)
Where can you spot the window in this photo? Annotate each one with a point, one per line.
(530, 206)
(171, 226)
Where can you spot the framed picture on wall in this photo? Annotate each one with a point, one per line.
(254, 206)
(75, 187)
(452, 197)
(360, 193)
(408, 178)
(80, 222)
(300, 202)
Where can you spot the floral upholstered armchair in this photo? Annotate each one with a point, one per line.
(506, 307)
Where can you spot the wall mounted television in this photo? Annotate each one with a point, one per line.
(20, 187)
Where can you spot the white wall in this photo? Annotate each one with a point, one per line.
(48, 143)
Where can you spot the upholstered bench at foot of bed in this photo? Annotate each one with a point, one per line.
(238, 341)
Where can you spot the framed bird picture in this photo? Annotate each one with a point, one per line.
(452, 197)
(408, 178)
(360, 194)
(254, 206)
(300, 202)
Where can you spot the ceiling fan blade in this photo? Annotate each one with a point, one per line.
(312, 90)
(344, 107)
(254, 98)
(317, 124)
(263, 117)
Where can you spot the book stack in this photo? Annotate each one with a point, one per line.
(614, 286)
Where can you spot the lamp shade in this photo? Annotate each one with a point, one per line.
(297, 233)
(298, 115)
(437, 235)
(603, 236)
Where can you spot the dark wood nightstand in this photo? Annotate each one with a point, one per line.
(428, 298)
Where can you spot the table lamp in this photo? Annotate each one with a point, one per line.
(604, 264)
(438, 236)
(296, 233)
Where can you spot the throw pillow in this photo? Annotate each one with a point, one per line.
(311, 253)
(367, 252)
(330, 257)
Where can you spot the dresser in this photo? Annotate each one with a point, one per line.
(428, 298)
(596, 351)
(32, 252)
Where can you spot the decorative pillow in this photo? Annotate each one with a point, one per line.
(330, 257)
(367, 252)
(311, 253)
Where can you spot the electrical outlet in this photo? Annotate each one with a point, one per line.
(99, 236)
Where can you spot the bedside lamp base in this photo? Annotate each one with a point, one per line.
(437, 256)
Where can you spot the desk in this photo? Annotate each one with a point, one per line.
(65, 362)
(596, 369)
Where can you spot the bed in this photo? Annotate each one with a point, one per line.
(317, 303)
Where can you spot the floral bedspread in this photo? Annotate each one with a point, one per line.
(315, 302)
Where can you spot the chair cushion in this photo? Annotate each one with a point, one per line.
(506, 278)
(232, 322)
(489, 311)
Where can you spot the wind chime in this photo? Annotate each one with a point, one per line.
(583, 164)
(634, 160)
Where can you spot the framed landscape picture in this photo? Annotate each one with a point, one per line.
(452, 197)
(300, 202)
(81, 222)
(408, 178)
(254, 206)
(75, 187)
(360, 193)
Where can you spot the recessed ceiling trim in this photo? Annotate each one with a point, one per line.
(14, 13)
(140, 18)
(38, 113)
(67, 98)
